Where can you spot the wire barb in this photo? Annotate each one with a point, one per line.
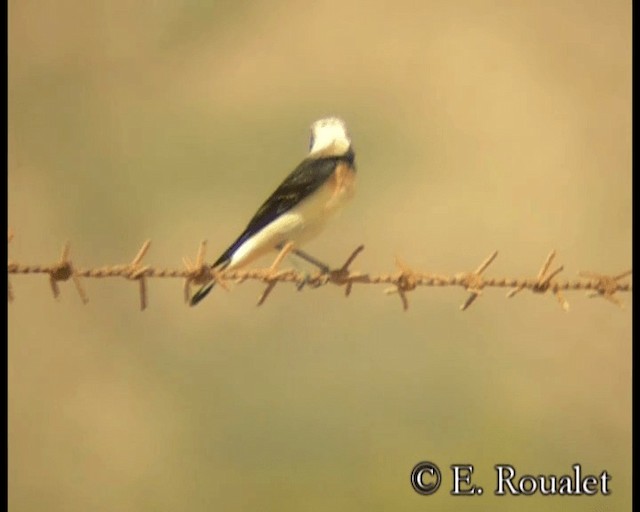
(406, 280)
(343, 276)
(136, 272)
(542, 282)
(474, 282)
(606, 286)
(198, 272)
(271, 276)
(62, 271)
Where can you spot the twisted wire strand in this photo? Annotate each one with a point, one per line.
(400, 282)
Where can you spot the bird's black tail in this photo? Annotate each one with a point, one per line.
(201, 293)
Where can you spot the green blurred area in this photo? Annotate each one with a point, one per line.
(477, 126)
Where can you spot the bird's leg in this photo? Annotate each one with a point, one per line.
(325, 269)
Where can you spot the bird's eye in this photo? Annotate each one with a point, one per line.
(311, 141)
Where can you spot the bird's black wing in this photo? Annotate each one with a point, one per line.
(304, 180)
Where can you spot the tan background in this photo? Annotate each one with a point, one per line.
(477, 125)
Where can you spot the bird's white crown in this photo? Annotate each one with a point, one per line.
(329, 137)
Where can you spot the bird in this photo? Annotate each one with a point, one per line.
(299, 208)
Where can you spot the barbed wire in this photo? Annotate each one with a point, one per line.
(402, 281)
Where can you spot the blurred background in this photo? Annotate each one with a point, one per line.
(478, 125)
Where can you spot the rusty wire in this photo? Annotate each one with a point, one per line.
(404, 280)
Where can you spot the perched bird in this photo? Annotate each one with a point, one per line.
(300, 206)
